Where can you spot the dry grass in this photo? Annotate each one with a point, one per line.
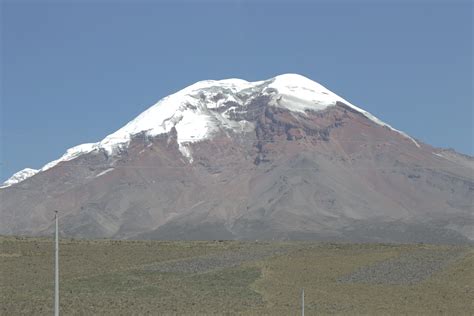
(114, 278)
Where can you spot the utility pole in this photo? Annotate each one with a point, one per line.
(56, 269)
(302, 303)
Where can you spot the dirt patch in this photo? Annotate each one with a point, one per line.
(408, 268)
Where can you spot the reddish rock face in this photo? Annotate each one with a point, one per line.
(325, 175)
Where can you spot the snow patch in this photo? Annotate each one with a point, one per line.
(104, 172)
(72, 153)
(19, 177)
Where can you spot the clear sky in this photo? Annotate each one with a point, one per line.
(74, 71)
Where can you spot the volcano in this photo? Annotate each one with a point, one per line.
(277, 159)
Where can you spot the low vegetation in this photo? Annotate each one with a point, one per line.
(108, 277)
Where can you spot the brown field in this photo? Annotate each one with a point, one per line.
(105, 277)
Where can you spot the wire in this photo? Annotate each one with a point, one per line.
(256, 139)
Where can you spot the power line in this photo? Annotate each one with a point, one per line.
(239, 137)
(168, 178)
(197, 165)
(250, 169)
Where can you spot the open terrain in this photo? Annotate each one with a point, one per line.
(109, 277)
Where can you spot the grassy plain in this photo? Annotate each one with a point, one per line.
(105, 277)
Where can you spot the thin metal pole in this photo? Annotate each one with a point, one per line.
(302, 303)
(56, 270)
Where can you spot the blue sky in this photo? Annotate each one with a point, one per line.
(74, 71)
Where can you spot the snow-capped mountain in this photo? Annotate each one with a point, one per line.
(278, 158)
(206, 108)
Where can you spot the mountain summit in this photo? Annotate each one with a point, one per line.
(206, 108)
(282, 158)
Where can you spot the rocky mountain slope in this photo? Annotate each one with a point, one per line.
(283, 158)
